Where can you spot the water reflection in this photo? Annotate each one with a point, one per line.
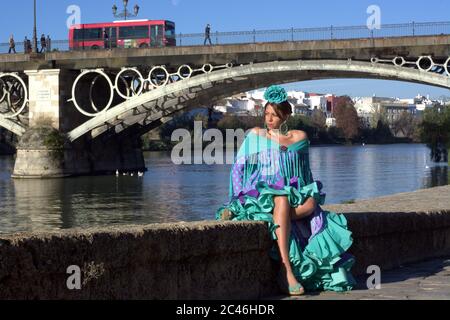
(85, 201)
(439, 175)
(171, 193)
(360, 172)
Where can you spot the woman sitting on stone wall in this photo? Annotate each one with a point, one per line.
(271, 181)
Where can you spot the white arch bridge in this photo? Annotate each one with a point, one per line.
(142, 108)
(104, 105)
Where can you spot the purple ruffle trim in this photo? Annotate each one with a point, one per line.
(252, 193)
(279, 185)
(315, 222)
(307, 228)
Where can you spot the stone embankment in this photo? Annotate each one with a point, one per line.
(211, 259)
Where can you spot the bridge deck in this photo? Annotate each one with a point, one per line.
(357, 49)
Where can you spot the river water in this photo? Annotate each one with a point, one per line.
(169, 192)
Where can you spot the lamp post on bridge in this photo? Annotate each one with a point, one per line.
(125, 13)
(35, 42)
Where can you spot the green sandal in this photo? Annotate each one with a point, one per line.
(295, 290)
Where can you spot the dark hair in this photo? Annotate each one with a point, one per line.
(283, 109)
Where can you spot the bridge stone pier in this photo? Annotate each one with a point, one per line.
(44, 151)
(80, 113)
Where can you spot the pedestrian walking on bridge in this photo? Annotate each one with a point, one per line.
(43, 43)
(208, 34)
(106, 39)
(12, 44)
(49, 43)
(27, 47)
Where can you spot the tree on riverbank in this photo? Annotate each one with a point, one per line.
(407, 125)
(239, 122)
(435, 131)
(300, 122)
(346, 118)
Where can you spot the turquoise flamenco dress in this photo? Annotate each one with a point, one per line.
(317, 247)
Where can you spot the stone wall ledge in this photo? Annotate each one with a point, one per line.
(421, 210)
(210, 259)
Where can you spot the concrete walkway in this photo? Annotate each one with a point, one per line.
(432, 200)
(428, 280)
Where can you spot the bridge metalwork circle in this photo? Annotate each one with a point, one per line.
(158, 78)
(182, 71)
(14, 93)
(427, 65)
(207, 68)
(423, 63)
(137, 77)
(399, 61)
(91, 89)
(100, 73)
(134, 83)
(127, 86)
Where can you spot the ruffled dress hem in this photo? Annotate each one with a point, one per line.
(318, 258)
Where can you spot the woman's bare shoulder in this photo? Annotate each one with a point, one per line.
(256, 130)
(299, 135)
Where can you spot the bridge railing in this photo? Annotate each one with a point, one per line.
(323, 33)
(281, 35)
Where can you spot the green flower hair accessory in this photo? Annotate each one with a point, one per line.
(275, 94)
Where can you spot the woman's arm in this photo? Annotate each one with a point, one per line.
(237, 170)
(304, 210)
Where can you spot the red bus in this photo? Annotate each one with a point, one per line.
(122, 34)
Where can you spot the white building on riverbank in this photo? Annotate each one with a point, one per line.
(370, 108)
(252, 103)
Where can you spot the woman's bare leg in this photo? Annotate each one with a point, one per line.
(281, 217)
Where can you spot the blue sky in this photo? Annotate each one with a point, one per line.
(191, 16)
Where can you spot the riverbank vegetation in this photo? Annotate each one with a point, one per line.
(435, 132)
(349, 128)
(432, 127)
